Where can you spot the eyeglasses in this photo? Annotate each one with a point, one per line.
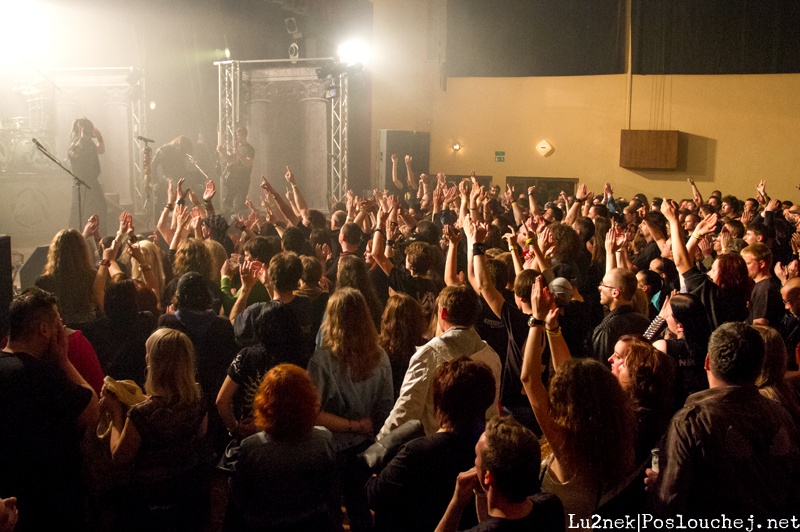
(607, 286)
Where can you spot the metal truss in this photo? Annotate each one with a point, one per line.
(229, 83)
(339, 134)
(143, 196)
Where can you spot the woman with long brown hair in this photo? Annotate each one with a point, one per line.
(402, 331)
(354, 377)
(772, 383)
(592, 435)
(70, 276)
(352, 273)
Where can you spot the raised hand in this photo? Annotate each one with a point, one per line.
(171, 196)
(762, 188)
(510, 238)
(136, 251)
(690, 180)
(773, 206)
(608, 192)
(210, 191)
(669, 209)
(533, 191)
(705, 245)
(266, 185)
(580, 194)
(724, 238)
(452, 236)
(408, 160)
(451, 195)
(611, 241)
(481, 231)
(193, 197)
(463, 188)
(181, 192)
(542, 301)
(289, 176)
(92, 226)
(248, 272)
(394, 158)
(747, 217)
(706, 225)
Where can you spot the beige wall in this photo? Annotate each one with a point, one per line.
(741, 128)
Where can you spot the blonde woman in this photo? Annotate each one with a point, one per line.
(218, 258)
(160, 435)
(152, 262)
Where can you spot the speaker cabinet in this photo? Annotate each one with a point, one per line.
(648, 149)
(417, 144)
(33, 267)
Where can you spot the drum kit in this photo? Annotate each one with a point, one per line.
(17, 151)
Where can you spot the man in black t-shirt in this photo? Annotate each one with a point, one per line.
(45, 405)
(413, 281)
(766, 303)
(653, 229)
(505, 482)
(239, 168)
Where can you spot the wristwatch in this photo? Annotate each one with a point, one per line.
(533, 322)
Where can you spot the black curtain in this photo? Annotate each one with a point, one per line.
(501, 38)
(715, 36)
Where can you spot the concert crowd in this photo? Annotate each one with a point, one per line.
(438, 356)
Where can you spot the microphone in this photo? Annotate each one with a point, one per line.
(36, 142)
(144, 139)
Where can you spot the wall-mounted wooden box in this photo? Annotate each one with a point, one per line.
(648, 149)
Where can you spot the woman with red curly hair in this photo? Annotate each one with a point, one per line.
(285, 473)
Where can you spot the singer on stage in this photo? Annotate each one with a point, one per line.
(239, 166)
(85, 163)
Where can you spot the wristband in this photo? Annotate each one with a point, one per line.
(390, 243)
(695, 235)
(181, 201)
(379, 230)
(294, 186)
(530, 240)
(514, 247)
(478, 249)
(106, 263)
(513, 203)
(554, 333)
(170, 206)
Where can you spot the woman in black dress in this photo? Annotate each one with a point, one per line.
(85, 163)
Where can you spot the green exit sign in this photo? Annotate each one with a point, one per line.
(499, 156)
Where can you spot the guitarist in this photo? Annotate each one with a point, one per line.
(238, 170)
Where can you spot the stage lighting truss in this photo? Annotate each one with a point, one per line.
(336, 93)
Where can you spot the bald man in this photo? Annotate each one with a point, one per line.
(616, 292)
(790, 326)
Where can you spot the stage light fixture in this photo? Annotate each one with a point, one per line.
(152, 105)
(353, 52)
(457, 146)
(227, 53)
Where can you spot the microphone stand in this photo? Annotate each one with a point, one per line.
(191, 160)
(78, 181)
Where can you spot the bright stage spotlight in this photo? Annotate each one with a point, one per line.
(152, 105)
(353, 52)
(27, 31)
